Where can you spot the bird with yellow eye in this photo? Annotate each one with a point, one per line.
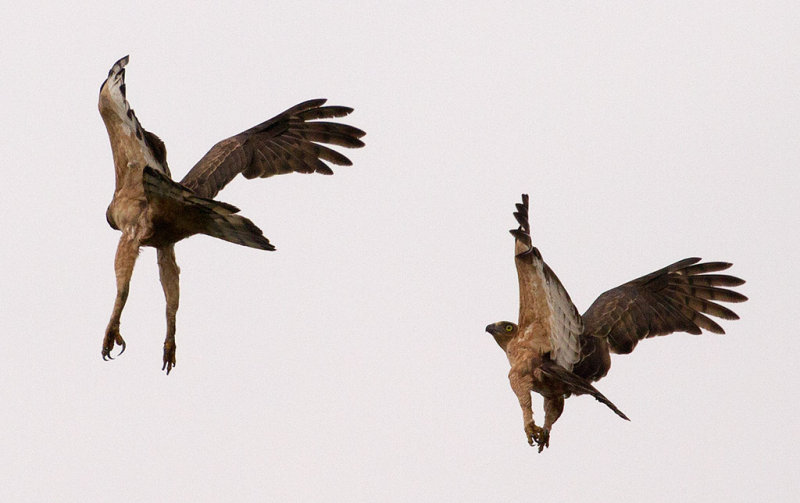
(556, 352)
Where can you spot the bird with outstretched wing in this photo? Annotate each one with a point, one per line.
(556, 352)
(150, 209)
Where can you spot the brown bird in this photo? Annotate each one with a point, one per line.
(152, 210)
(556, 352)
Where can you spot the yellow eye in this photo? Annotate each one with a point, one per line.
(509, 328)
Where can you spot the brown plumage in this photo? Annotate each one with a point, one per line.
(150, 209)
(556, 352)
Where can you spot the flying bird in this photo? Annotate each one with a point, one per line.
(150, 209)
(556, 352)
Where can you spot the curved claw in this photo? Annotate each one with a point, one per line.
(543, 438)
(111, 339)
(169, 356)
(533, 432)
(168, 366)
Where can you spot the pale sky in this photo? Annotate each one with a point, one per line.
(352, 363)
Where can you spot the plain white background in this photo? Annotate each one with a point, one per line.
(351, 364)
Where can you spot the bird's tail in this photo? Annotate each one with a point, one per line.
(578, 385)
(201, 214)
(602, 399)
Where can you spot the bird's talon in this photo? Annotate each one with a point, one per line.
(533, 432)
(543, 438)
(111, 339)
(169, 356)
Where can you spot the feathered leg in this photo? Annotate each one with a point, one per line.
(521, 384)
(553, 407)
(168, 271)
(125, 259)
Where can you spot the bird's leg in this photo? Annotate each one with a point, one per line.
(168, 271)
(127, 251)
(521, 384)
(553, 407)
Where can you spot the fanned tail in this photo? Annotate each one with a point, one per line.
(213, 218)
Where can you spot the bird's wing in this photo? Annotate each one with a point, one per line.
(130, 143)
(289, 142)
(546, 313)
(676, 298)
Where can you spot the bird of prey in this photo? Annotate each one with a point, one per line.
(556, 352)
(150, 209)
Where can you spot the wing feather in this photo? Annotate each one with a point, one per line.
(546, 313)
(286, 143)
(329, 112)
(676, 298)
(321, 151)
(131, 144)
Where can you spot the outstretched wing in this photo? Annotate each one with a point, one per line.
(130, 143)
(287, 143)
(546, 313)
(676, 298)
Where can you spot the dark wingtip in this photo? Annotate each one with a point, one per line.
(121, 62)
(358, 133)
(521, 215)
(315, 102)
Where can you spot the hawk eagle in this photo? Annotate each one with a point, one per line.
(556, 352)
(152, 210)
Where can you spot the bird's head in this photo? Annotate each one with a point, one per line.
(502, 331)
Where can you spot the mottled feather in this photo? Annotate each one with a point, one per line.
(546, 312)
(132, 138)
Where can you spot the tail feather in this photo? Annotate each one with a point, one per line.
(602, 399)
(206, 216)
(577, 385)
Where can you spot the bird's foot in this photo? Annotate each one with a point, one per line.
(543, 438)
(533, 432)
(169, 356)
(112, 337)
